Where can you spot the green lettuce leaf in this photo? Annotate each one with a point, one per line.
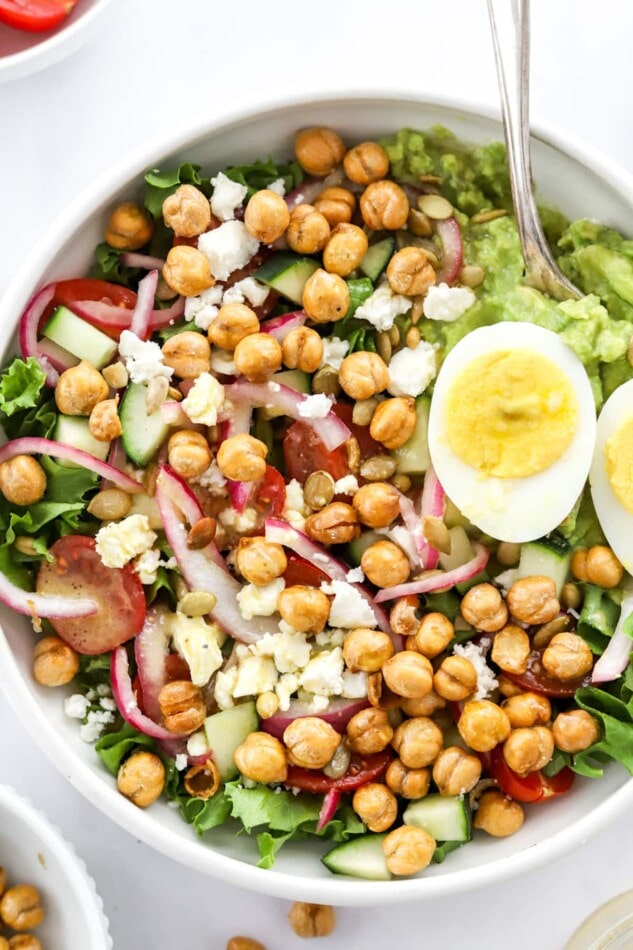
(108, 266)
(20, 385)
(206, 815)
(38, 421)
(261, 174)
(615, 716)
(358, 333)
(598, 618)
(113, 747)
(160, 184)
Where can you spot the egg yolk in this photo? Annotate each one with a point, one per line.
(511, 414)
(619, 463)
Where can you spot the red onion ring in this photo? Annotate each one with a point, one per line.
(142, 315)
(280, 327)
(125, 697)
(33, 445)
(450, 235)
(151, 648)
(28, 329)
(438, 581)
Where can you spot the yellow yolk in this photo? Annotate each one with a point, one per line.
(511, 414)
(619, 461)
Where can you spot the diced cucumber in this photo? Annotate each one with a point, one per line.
(287, 274)
(292, 378)
(356, 548)
(73, 430)
(461, 550)
(226, 731)
(360, 857)
(444, 817)
(148, 506)
(80, 338)
(547, 557)
(413, 458)
(377, 257)
(57, 354)
(142, 434)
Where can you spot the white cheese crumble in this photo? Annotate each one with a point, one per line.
(278, 186)
(198, 744)
(355, 576)
(295, 509)
(255, 675)
(382, 308)
(254, 601)
(348, 609)
(204, 309)
(354, 685)
(315, 407)
(224, 686)
(239, 523)
(324, 673)
(287, 684)
(246, 289)
(143, 359)
(290, 650)
(447, 303)
(95, 723)
(197, 643)
(402, 537)
(181, 762)
(212, 480)
(486, 680)
(120, 541)
(227, 196)
(76, 706)
(227, 248)
(203, 400)
(411, 371)
(331, 638)
(146, 565)
(348, 485)
(334, 351)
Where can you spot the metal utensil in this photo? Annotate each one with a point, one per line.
(510, 25)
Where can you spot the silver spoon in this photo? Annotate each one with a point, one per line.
(510, 25)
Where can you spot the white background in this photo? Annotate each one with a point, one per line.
(153, 64)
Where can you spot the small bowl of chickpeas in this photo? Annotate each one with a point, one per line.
(47, 899)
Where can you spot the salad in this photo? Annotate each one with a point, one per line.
(322, 517)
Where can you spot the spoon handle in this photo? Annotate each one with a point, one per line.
(510, 25)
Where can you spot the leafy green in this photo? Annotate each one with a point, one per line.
(581, 528)
(38, 421)
(205, 815)
(167, 332)
(93, 671)
(113, 747)
(359, 335)
(613, 708)
(445, 848)
(360, 288)
(108, 266)
(261, 174)
(164, 584)
(160, 184)
(598, 618)
(20, 385)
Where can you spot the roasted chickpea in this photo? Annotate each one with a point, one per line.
(22, 480)
(511, 649)
(408, 783)
(242, 458)
(597, 565)
(527, 709)
(311, 742)
(267, 705)
(483, 725)
(508, 687)
(403, 618)
(528, 750)
(384, 206)
(369, 731)
(567, 657)
(262, 758)
(325, 297)
(575, 730)
(455, 679)
(129, 227)
(244, 943)
(187, 271)
(533, 600)
(22, 942)
(408, 850)
(409, 272)
(365, 163)
(434, 634)
(21, 907)
(260, 561)
(3, 881)
(79, 389)
(233, 322)
(104, 423)
(376, 806)
(54, 662)
(393, 421)
(141, 778)
(337, 205)
(304, 608)
(116, 375)
(409, 675)
(319, 150)
(188, 453)
(483, 608)
(456, 771)
(497, 815)
(258, 356)
(187, 212)
(302, 349)
(367, 650)
(308, 231)
(571, 597)
(345, 250)
(266, 216)
(363, 375)
(335, 524)
(312, 920)
(385, 564)
(422, 705)
(418, 742)
(377, 504)
(182, 706)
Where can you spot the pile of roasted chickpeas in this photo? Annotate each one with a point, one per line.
(21, 910)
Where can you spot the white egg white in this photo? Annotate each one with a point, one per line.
(514, 509)
(615, 520)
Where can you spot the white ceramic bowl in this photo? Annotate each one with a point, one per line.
(22, 53)
(34, 852)
(569, 175)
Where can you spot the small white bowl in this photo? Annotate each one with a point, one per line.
(22, 53)
(34, 852)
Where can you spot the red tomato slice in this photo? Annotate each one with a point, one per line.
(68, 292)
(270, 495)
(367, 445)
(304, 453)
(300, 571)
(176, 668)
(536, 679)
(362, 769)
(534, 787)
(35, 16)
(77, 571)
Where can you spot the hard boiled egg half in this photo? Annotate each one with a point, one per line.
(611, 475)
(512, 429)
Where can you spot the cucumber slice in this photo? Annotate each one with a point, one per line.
(293, 378)
(73, 430)
(226, 731)
(547, 557)
(444, 817)
(80, 338)
(287, 274)
(356, 548)
(360, 857)
(461, 550)
(413, 458)
(142, 435)
(377, 257)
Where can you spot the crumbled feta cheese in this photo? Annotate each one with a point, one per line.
(103, 689)
(120, 541)
(486, 680)
(290, 650)
(203, 400)
(181, 762)
(257, 674)
(354, 685)
(257, 601)
(295, 509)
(227, 196)
(90, 731)
(334, 351)
(76, 706)
(447, 303)
(246, 289)
(108, 704)
(278, 186)
(287, 684)
(348, 485)
(348, 609)
(239, 523)
(315, 407)
(212, 479)
(224, 686)
(402, 537)
(198, 744)
(507, 579)
(204, 309)
(143, 358)
(146, 565)
(222, 362)
(330, 638)
(411, 371)
(319, 704)
(324, 673)
(197, 643)
(355, 576)
(227, 248)
(382, 308)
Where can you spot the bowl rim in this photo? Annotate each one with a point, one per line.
(90, 783)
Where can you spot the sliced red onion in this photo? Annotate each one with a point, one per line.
(450, 235)
(413, 524)
(117, 459)
(240, 494)
(238, 422)
(151, 648)
(331, 801)
(305, 193)
(57, 356)
(173, 413)
(43, 605)
(143, 310)
(432, 504)
(28, 331)
(439, 581)
(280, 327)
(330, 430)
(142, 261)
(615, 658)
(33, 445)
(125, 697)
(111, 317)
(338, 714)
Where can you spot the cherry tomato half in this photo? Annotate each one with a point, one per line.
(536, 679)
(300, 571)
(534, 787)
(270, 494)
(362, 769)
(304, 453)
(35, 16)
(68, 292)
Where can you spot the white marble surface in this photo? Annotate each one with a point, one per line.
(159, 62)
